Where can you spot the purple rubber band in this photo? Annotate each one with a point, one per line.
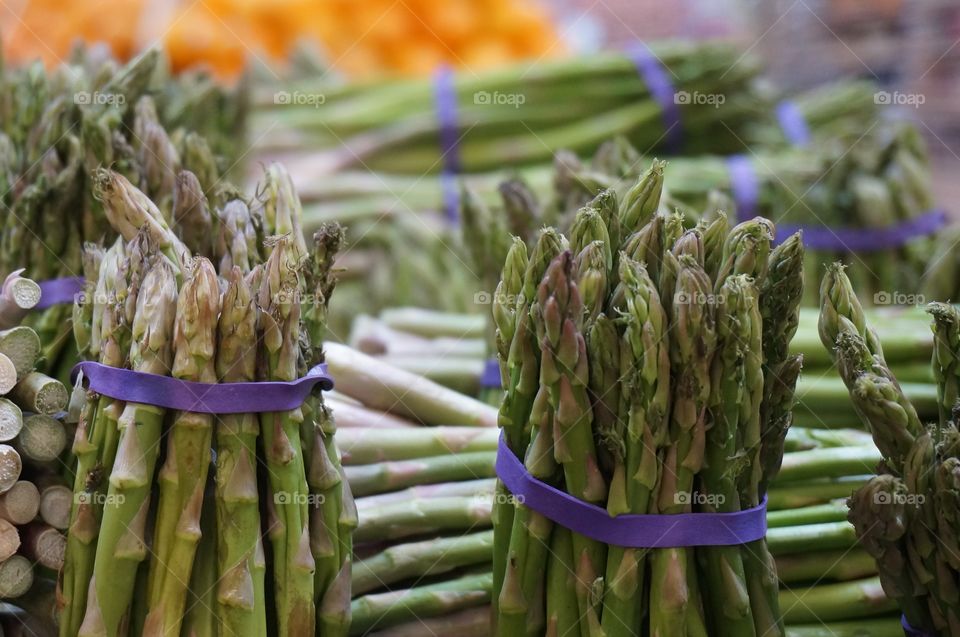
(658, 82)
(793, 123)
(847, 239)
(59, 291)
(743, 186)
(910, 631)
(637, 531)
(207, 398)
(745, 189)
(490, 378)
(445, 99)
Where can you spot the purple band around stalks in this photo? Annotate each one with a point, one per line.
(743, 186)
(792, 123)
(490, 378)
(658, 82)
(445, 99)
(910, 631)
(207, 398)
(59, 291)
(637, 531)
(745, 189)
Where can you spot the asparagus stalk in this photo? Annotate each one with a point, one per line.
(183, 477)
(420, 560)
(280, 434)
(390, 476)
(422, 517)
(241, 567)
(365, 447)
(39, 393)
(644, 368)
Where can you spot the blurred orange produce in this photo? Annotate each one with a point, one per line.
(356, 37)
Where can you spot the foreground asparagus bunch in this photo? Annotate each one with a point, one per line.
(654, 395)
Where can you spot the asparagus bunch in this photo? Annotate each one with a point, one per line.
(902, 516)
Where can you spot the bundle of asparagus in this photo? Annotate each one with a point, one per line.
(152, 307)
(904, 516)
(56, 128)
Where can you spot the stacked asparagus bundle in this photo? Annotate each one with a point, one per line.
(189, 557)
(34, 499)
(56, 128)
(904, 517)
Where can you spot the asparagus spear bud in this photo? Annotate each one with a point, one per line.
(589, 227)
(191, 218)
(879, 512)
(608, 207)
(642, 200)
(184, 474)
(83, 304)
(644, 370)
(746, 250)
(523, 211)
(281, 209)
(715, 232)
(237, 240)
(505, 301)
(946, 365)
(128, 210)
(197, 158)
(122, 543)
(780, 295)
(840, 311)
(241, 568)
(592, 266)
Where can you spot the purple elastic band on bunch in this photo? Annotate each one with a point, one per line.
(743, 186)
(207, 398)
(792, 123)
(658, 82)
(745, 189)
(445, 98)
(59, 291)
(490, 378)
(910, 631)
(636, 531)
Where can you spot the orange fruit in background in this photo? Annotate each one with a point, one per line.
(372, 37)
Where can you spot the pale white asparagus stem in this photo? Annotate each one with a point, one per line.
(18, 296)
(16, 577)
(482, 489)
(351, 414)
(360, 446)
(42, 439)
(44, 545)
(11, 420)
(21, 503)
(10, 467)
(9, 539)
(379, 385)
(22, 346)
(40, 393)
(8, 374)
(55, 502)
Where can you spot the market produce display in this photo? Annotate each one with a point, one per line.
(903, 516)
